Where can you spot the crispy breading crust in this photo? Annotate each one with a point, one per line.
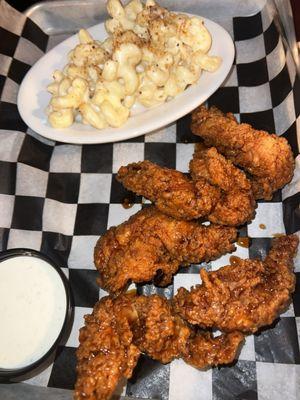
(150, 243)
(266, 157)
(236, 203)
(243, 296)
(172, 192)
(106, 352)
(119, 329)
(204, 350)
(218, 190)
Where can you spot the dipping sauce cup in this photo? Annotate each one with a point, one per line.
(34, 310)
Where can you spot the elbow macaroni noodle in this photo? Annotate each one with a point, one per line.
(150, 56)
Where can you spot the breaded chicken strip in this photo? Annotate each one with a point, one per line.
(158, 331)
(120, 329)
(236, 204)
(172, 192)
(267, 158)
(163, 335)
(243, 296)
(239, 298)
(219, 191)
(151, 245)
(106, 353)
(203, 350)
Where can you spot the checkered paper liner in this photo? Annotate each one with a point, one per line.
(60, 198)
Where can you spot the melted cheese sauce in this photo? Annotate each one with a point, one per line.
(32, 310)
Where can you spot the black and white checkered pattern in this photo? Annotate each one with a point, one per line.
(59, 198)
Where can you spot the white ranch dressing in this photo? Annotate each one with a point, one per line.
(32, 310)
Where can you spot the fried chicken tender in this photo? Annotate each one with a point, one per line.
(243, 296)
(120, 329)
(106, 352)
(151, 245)
(203, 350)
(236, 203)
(158, 331)
(266, 157)
(218, 190)
(172, 192)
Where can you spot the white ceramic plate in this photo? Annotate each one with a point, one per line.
(33, 97)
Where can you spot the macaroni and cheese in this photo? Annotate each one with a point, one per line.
(150, 56)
